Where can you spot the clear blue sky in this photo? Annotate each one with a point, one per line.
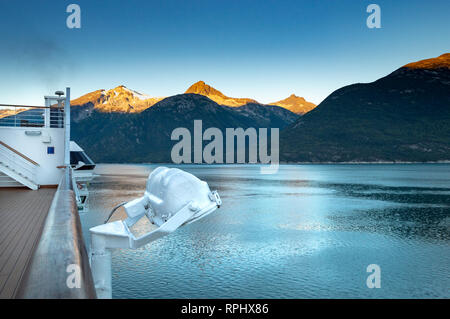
(259, 49)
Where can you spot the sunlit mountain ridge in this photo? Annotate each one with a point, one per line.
(296, 104)
(118, 99)
(124, 100)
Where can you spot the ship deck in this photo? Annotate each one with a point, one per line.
(22, 217)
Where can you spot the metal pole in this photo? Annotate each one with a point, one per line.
(67, 129)
(100, 260)
(47, 112)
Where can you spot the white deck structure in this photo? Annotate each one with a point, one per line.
(33, 143)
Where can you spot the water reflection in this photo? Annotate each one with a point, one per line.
(307, 231)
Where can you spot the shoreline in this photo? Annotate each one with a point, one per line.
(281, 163)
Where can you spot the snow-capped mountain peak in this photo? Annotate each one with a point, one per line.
(118, 99)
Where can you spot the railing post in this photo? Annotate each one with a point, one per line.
(67, 128)
(47, 113)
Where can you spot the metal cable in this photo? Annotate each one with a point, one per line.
(113, 210)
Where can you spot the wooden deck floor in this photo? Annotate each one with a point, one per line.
(22, 216)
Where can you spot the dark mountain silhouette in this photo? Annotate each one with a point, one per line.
(404, 116)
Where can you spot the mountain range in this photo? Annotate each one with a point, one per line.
(146, 136)
(125, 100)
(404, 116)
(140, 126)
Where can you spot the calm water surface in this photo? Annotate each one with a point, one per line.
(308, 231)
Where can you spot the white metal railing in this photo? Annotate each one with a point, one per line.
(31, 116)
(18, 162)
